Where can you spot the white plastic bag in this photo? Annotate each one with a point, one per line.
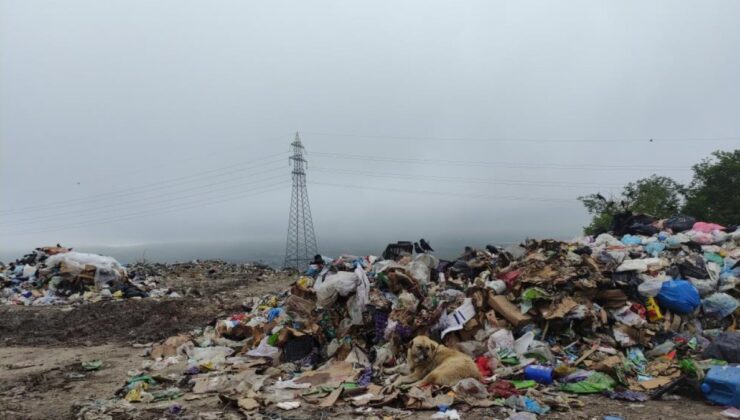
(208, 355)
(501, 339)
(650, 288)
(337, 284)
(264, 350)
(521, 345)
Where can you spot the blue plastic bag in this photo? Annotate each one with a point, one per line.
(631, 240)
(654, 248)
(680, 296)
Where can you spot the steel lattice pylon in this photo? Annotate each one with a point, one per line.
(300, 246)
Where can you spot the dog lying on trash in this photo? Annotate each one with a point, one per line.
(434, 363)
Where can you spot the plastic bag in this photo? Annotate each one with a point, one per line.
(471, 348)
(680, 296)
(719, 305)
(675, 241)
(631, 240)
(706, 227)
(679, 223)
(264, 350)
(727, 281)
(641, 265)
(470, 387)
(703, 238)
(650, 288)
(338, 284)
(704, 287)
(83, 259)
(420, 269)
(608, 240)
(449, 414)
(521, 345)
(541, 351)
(627, 317)
(597, 382)
(208, 355)
(726, 346)
(655, 248)
(501, 339)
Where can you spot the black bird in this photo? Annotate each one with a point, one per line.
(425, 245)
(492, 249)
(417, 248)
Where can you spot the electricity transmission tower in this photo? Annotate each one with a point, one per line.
(300, 246)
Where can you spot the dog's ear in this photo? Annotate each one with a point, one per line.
(433, 347)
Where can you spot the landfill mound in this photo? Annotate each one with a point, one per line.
(58, 275)
(197, 269)
(632, 316)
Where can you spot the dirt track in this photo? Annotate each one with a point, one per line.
(43, 347)
(40, 361)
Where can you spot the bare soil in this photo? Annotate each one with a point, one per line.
(42, 348)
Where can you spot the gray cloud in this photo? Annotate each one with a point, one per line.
(107, 99)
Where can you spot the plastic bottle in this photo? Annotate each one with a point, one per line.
(662, 349)
(540, 374)
(722, 385)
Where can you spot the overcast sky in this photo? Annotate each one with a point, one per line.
(143, 122)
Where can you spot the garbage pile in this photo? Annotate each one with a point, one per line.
(633, 315)
(197, 269)
(59, 275)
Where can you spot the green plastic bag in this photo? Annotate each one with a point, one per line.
(92, 365)
(689, 367)
(528, 383)
(715, 258)
(597, 382)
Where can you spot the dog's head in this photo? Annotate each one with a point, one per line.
(422, 349)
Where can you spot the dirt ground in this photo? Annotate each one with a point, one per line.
(42, 348)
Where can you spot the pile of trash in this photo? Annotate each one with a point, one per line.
(633, 315)
(59, 275)
(198, 269)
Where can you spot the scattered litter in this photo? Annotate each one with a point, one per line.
(731, 412)
(92, 365)
(288, 405)
(611, 315)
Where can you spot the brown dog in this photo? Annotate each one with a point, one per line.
(433, 363)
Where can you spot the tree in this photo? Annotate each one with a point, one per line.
(657, 196)
(714, 193)
(602, 210)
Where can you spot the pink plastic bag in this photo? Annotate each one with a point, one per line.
(707, 227)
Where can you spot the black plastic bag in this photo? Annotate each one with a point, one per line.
(633, 224)
(726, 346)
(680, 223)
(695, 269)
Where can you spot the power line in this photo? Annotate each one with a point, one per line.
(445, 193)
(586, 167)
(164, 210)
(514, 182)
(137, 202)
(159, 185)
(529, 139)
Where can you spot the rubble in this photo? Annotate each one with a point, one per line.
(612, 315)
